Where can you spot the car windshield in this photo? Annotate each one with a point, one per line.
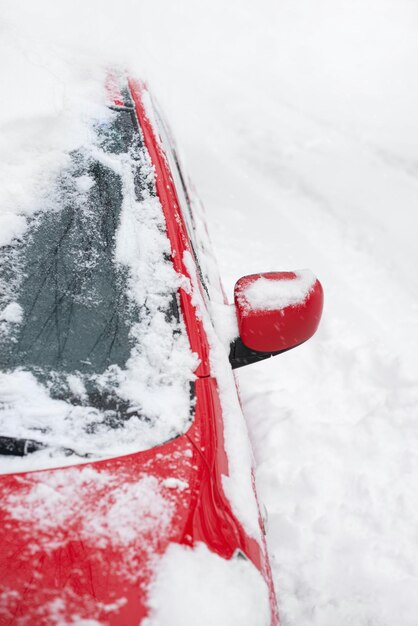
(94, 355)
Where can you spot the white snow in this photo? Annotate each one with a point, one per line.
(298, 124)
(156, 379)
(212, 590)
(301, 136)
(268, 294)
(175, 483)
(56, 611)
(84, 183)
(238, 484)
(101, 507)
(76, 386)
(13, 313)
(225, 320)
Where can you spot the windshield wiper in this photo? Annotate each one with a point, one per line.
(13, 446)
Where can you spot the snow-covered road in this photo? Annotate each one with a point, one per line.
(298, 122)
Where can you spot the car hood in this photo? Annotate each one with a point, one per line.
(80, 542)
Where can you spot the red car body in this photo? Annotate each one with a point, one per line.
(53, 569)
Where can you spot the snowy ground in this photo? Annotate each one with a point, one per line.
(298, 121)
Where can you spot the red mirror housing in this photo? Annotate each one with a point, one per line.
(278, 310)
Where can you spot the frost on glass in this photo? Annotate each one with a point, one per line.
(93, 352)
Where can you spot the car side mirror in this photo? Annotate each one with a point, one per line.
(275, 312)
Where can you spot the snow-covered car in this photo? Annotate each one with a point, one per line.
(127, 483)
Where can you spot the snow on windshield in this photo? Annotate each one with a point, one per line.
(94, 355)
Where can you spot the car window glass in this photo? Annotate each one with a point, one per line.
(182, 192)
(77, 316)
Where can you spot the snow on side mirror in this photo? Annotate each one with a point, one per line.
(275, 311)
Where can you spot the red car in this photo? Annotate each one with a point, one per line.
(127, 484)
